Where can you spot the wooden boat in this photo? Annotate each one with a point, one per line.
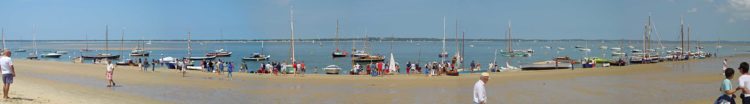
(332, 69)
(564, 59)
(369, 58)
(545, 65)
(256, 57)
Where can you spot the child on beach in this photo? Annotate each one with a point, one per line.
(727, 93)
(110, 72)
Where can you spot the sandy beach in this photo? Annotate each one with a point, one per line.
(694, 81)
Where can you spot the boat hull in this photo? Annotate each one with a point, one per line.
(101, 57)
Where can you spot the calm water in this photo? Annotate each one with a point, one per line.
(318, 54)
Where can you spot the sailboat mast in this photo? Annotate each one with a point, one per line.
(682, 35)
(456, 39)
(443, 34)
(3, 33)
(122, 42)
(291, 22)
(510, 38)
(190, 48)
(106, 39)
(689, 48)
(337, 35)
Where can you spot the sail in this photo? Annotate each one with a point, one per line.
(392, 64)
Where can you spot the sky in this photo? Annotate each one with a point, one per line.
(270, 19)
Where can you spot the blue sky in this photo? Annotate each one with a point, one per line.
(269, 19)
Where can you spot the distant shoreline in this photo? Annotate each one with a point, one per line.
(379, 39)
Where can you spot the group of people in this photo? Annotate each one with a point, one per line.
(218, 67)
(728, 92)
(373, 69)
(281, 67)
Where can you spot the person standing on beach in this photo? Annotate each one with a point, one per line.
(8, 71)
(744, 83)
(230, 68)
(727, 93)
(153, 65)
(110, 72)
(480, 95)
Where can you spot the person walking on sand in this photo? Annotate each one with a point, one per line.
(153, 65)
(480, 95)
(110, 72)
(8, 71)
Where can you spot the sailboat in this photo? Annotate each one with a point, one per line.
(87, 44)
(443, 53)
(360, 52)
(258, 56)
(288, 68)
(510, 52)
(140, 50)
(644, 56)
(190, 50)
(220, 52)
(106, 46)
(363, 56)
(122, 48)
(338, 52)
(34, 54)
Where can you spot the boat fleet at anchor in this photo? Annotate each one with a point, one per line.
(644, 55)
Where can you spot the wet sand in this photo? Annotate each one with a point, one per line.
(694, 81)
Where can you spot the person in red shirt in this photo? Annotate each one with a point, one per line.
(380, 67)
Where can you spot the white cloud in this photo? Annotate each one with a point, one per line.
(692, 10)
(737, 9)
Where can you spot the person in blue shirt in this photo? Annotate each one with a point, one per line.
(727, 92)
(230, 69)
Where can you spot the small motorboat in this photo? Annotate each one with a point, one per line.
(139, 52)
(124, 62)
(545, 65)
(219, 53)
(339, 53)
(19, 50)
(32, 56)
(51, 55)
(332, 69)
(256, 57)
(359, 53)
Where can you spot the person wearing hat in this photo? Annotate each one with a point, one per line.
(480, 95)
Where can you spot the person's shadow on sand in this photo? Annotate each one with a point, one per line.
(20, 98)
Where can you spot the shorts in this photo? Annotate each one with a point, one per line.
(109, 75)
(7, 78)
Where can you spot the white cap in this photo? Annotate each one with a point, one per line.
(485, 74)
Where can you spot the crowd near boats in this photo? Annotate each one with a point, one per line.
(366, 63)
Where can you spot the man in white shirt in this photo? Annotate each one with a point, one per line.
(6, 64)
(110, 72)
(480, 95)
